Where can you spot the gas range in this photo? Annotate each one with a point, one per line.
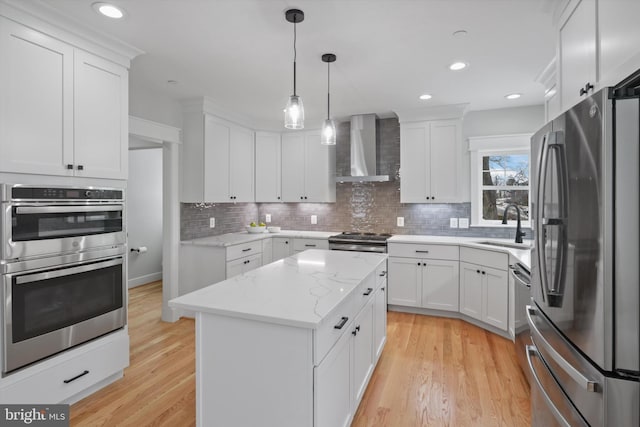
(362, 242)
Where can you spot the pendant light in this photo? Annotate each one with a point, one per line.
(294, 112)
(328, 127)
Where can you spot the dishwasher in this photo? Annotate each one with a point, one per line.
(522, 289)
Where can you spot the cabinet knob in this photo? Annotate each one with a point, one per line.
(433, 198)
(484, 272)
(354, 332)
(80, 167)
(278, 197)
(382, 289)
(305, 197)
(301, 197)
(358, 328)
(478, 271)
(419, 264)
(69, 166)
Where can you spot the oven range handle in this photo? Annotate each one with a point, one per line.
(67, 209)
(30, 278)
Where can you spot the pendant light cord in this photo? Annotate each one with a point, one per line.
(295, 54)
(328, 87)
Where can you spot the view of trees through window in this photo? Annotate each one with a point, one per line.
(505, 181)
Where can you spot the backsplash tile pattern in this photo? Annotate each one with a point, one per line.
(369, 206)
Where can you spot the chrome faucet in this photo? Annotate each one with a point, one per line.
(519, 232)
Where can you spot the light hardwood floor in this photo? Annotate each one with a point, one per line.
(433, 372)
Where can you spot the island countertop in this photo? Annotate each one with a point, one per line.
(300, 290)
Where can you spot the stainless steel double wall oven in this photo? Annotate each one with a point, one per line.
(63, 269)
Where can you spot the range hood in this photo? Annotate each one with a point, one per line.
(363, 151)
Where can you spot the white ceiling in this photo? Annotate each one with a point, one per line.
(240, 52)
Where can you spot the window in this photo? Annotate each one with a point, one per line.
(499, 178)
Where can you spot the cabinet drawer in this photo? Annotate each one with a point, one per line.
(239, 251)
(365, 291)
(242, 265)
(328, 333)
(408, 250)
(485, 258)
(47, 385)
(304, 244)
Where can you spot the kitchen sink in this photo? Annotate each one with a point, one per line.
(521, 246)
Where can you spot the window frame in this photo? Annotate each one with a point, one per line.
(480, 147)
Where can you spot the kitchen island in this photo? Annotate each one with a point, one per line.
(293, 343)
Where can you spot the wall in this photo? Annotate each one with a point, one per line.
(144, 215)
(151, 104)
(373, 206)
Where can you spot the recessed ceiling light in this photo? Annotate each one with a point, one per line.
(108, 10)
(425, 96)
(457, 66)
(460, 33)
(513, 96)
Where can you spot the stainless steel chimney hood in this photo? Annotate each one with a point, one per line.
(363, 151)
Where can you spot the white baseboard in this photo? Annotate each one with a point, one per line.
(143, 280)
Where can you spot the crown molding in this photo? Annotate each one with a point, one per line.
(442, 112)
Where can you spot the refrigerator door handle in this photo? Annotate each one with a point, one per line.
(539, 230)
(578, 377)
(533, 351)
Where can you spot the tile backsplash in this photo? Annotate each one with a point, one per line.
(370, 206)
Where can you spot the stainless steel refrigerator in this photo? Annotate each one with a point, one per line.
(584, 317)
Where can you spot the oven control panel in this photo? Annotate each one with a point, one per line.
(63, 193)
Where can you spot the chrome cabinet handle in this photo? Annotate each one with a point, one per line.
(577, 376)
(343, 321)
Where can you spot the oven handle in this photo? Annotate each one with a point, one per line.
(67, 209)
(30, 278)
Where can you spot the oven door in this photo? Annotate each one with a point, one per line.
(50, 310)
(33, 230)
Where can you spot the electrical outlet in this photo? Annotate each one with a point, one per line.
(400, 221)
(314, 219)
(267, 218)
(212, 222)
(463, 222)
(453, 222)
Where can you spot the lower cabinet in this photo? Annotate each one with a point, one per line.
(332, 380)
(282, 247)
(363, 353)
(484, 294)
(380, 320)
(302, 244)
(242, 265)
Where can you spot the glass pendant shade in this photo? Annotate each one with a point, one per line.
(294, 113)
(328, 136)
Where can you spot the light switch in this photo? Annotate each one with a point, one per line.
(212, 222)
(453, 222)
(400, 221)
(267, 218)
(314, 219)
(463, 222)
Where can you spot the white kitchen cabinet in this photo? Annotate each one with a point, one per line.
(380, 312)
(308, 168)
(577, 51)
(484, 286)
(430, 161)
(243, 265)
(424, 276)
(302, 244)
(282, 247)
(363, 352)
(268, 167)
(267, 251)
(217, 159)
(619, 40)
(63, 111)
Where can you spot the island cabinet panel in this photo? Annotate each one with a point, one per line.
(282, 247)
(332, 401)
(380, 311)
(246, 370)
(363, 355)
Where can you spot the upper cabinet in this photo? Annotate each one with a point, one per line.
(430, 161)
(577, 48)
(268, 167)
(217, 160)
(308, 168)
(63, 110)
(598, 46)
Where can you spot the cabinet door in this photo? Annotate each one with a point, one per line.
(319, 178)
(217, 135)
(362, 360)
(444, 159)
(36, 102)
(578, 52)
(414, 156)
(619, 38)
(241, 154)
(331, 383)
(379, 320)
(440, 285)
(252, 262)
(405, 278)
(282, 248)
(293, 163)
(101, 117)
(267, 251)
(471, 293)
(496, 298)
(268, 167)
(234, 267)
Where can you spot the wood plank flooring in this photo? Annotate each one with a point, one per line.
(433, 372)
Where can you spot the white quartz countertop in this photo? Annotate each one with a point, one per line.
(230, 239)
(521, 251)
(300, 290)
